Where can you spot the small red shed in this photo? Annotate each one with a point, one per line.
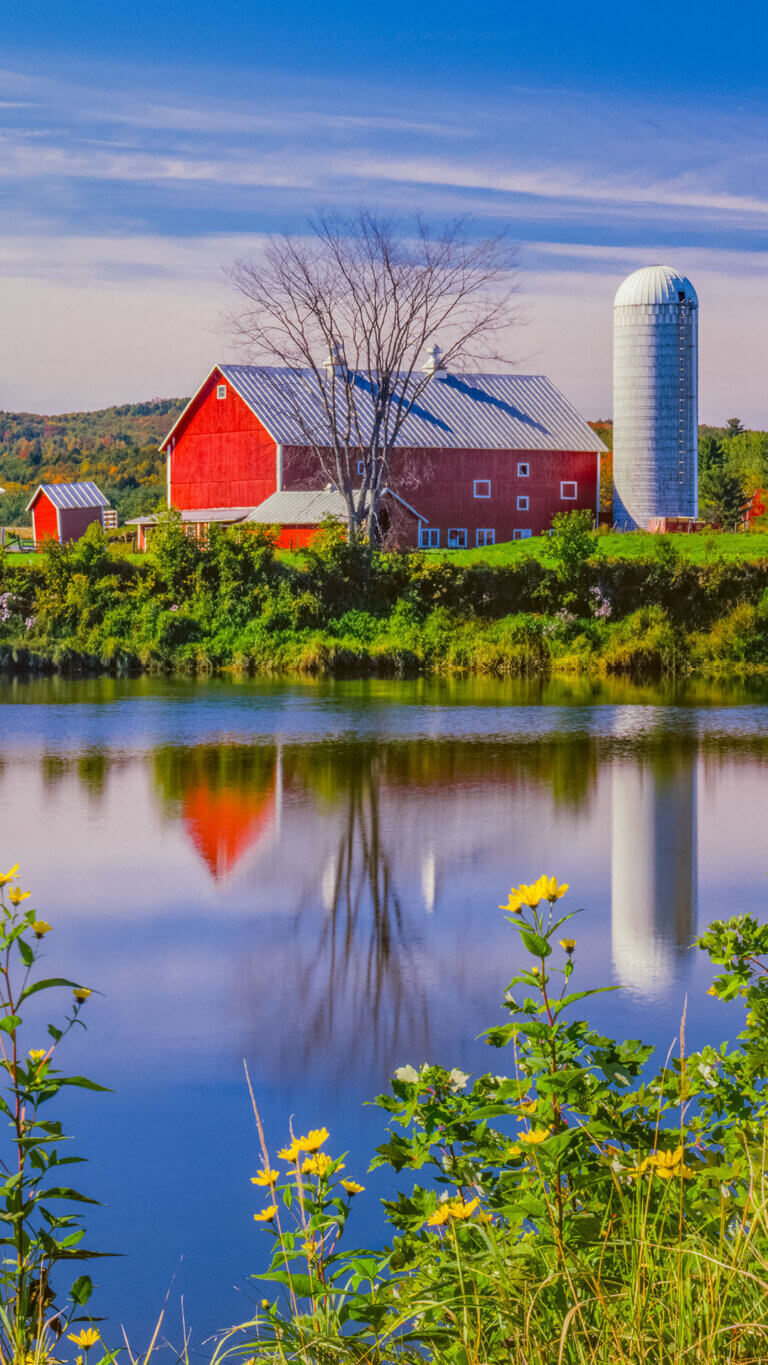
(63, 511)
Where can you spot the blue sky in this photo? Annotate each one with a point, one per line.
(143, 146)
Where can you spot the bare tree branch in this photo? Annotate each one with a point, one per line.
(348, 310)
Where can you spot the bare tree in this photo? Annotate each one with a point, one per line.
(344, 314)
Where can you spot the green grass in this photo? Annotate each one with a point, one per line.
(698, 547)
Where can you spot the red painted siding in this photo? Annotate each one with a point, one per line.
(296, 537)
(44, 521)
(76, 520)
(222, 456)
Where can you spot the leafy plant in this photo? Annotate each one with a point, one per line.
(41, 1223)
(580, 1209)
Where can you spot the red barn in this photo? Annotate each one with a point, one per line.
(480, 458)
(63, 511)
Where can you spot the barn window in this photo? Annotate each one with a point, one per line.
(429, 538)
(457, 538)
(523, 471)
(568, 491)
(482, 488)
(361, 466)
(522, 504)
(221, 390)
(521, 535)
(485, 537)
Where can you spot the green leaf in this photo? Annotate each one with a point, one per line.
(84, 1083)
(47, 984)
(81, 1289)
(26, 953)
(535, 943)
(9, 1023)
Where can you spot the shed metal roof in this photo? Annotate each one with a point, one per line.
(297, 507)
(71, 494)
(453, 412)
(194, 514)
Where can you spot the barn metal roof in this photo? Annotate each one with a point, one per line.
(453, 412)
(299, 508)
(71, 494)
(194, 514)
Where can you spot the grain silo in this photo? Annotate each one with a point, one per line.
(655, 400)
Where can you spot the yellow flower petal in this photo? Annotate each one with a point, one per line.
(265, 1177)
(266, 1214)
(314, 1139)
(534, 1137)
(352, 1187)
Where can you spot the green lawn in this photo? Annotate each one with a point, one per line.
(699, 547)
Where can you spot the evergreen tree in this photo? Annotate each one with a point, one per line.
(723, 500)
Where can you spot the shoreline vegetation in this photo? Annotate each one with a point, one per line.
(575, 603)
(583, 1207)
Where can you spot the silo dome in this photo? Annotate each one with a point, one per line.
(655, 399)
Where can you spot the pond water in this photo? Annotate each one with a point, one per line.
(306, 878)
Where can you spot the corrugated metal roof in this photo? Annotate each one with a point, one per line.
(299, 508)
(454, 412)
(654, 284)
(71, 494)
(206, 514)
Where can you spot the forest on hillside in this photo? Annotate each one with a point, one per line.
(116, 447)
(733, 474)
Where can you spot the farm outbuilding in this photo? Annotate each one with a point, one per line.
(480, 458)
(64, 511)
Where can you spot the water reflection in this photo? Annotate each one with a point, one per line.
(308, 877)
(653, 867)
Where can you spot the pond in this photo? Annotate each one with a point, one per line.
(307, 878)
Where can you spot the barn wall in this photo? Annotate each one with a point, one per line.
(222, 457)
(44, 521)
(76, 520)
(296, 537)
(440, 483)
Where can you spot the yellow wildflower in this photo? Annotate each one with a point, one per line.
(514, 1151)
(40, 928)
(8, 876)
(290, 1153)
(309, 1249)
(16, 896)
(669, 1164)
(314, 1139)
(265, 1177)
(438, 1218)
(531, 895)
(37, 1054)
(266, 1305)
(81, 993)
(514, 903)
(459, 1210)
(528, 1107)
(535, 1136)
(352, 1187)
(552, 890)
(85, 1339)
(320, 1164)
(266, 1214)
(568, 944)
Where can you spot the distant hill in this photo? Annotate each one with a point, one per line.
(116, 447)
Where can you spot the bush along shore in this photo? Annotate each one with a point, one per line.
(582, 1207)
(335, 609)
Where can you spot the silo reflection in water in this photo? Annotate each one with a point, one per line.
(653, 869)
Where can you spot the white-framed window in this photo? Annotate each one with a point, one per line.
(482, 488)
(523, 470)
(523, 504)
(569, 490)
(361, 467)
(457, 538)
(221, 390)
(485, 537)
(521, 535)
(429, 538)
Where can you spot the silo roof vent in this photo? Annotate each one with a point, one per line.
(655, 284)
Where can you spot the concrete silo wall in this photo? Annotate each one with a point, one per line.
(655, 412)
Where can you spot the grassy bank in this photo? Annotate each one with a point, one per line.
(564, 604)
